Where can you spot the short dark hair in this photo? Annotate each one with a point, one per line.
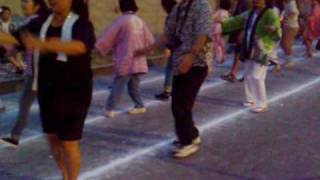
(225, 4)
(43, 8)
(168, 5)
(128, 5)
(5, 8)
(81, 8)
(270, 3)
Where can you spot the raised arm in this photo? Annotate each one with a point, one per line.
(81, 43)
(106, 40)
(74, 47)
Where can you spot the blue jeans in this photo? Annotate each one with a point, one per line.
(169, 74)
(133, 81)
(26, 100)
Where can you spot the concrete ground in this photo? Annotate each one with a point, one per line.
(281, 144)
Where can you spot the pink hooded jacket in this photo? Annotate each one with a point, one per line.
(124, 36)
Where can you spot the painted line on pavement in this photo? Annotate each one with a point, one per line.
(105, 169)
(92, 120)
(148, 104)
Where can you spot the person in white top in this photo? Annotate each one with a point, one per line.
(6, 24)
(5, 14)
(290, 27)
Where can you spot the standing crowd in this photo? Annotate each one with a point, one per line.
(57, 42)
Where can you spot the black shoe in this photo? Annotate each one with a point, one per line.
(164, 96)
(3, 108)
(195, 141)
(185, 151)
(10, 142)
(271, 63)
(241, 79)
(229, 77)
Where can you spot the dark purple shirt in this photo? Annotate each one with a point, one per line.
(74, 73)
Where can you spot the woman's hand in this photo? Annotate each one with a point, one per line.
(31, 42)
(185, 63)
(7, 39)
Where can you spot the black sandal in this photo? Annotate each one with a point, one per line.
(229, 77)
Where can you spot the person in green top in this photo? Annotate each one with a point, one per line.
(262, 30)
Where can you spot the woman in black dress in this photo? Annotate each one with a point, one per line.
(62, 42)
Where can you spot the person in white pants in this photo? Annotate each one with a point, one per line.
(254, 85)
(261, 32)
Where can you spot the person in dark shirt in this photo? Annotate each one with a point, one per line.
(167, 5)
(236, 39)
(62, 44)
(31, 9)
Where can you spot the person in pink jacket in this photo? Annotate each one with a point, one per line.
(124, 36)
(312, 31)
(218, 42)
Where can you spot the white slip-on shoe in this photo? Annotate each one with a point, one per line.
(137, 111)
(185, 151)
(110, 114)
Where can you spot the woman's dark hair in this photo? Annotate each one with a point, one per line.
(279, 4)
(168, 5)
(43, 8)
(128, 5)
(225, 4)
(81, 8)
(270, 3)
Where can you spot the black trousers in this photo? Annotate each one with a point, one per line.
(184, 91)
(318, 45)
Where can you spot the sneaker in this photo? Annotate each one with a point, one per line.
(248, 104)
(164, 96)
(137, 111)
(185, 151)
(195, 141)
(259, 109)
(229, 77)
(10, 142)
(110, 114)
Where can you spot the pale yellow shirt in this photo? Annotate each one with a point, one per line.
(291, 21)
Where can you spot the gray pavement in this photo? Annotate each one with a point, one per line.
(281, 144)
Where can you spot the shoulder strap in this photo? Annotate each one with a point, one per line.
(185, 15)
(255, 26)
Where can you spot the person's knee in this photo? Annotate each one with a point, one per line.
(70, 146)
(54, 139)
